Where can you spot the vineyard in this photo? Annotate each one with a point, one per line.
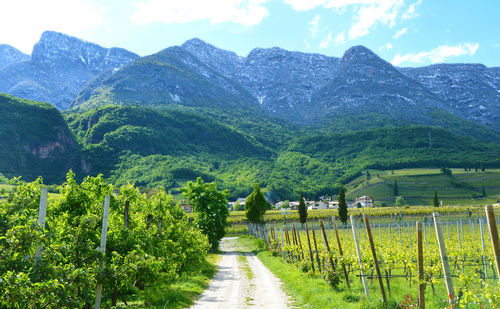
(92, 245)
(380, 260)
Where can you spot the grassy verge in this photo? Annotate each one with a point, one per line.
(179, 294)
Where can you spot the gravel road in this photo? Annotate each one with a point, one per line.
(234, 287)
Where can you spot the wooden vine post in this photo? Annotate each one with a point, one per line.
(444, 259)
(102, 248)
(372, 247)
(316, 248)
(300, 242)
(310, 249)
(126, 217)
(42, 214)
(341, 256)
(420, 264)
(492, 223)
(360, 261)
(327, 245)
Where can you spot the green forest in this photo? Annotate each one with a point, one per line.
(153, 146)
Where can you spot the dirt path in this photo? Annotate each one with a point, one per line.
(242, 281)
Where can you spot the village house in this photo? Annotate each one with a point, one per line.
(364, 201)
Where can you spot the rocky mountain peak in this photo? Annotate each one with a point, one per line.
(359, 53)
(9, 55)
(54, 47)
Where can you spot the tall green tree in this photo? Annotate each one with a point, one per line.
(368, 175)
(210, 206)
(302, 209)
(342, 206)
(396, 189)
(484, 191)
(255, 206)
(436, 201)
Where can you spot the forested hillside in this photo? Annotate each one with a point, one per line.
(35, 140)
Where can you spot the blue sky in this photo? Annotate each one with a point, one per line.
(404, 32)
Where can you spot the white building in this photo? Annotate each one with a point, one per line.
(364, 201)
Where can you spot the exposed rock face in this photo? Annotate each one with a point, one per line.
(10, 55)
(59, 68)
(280, 80)
(469, 90)
(365, 83)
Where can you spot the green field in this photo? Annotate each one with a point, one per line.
(417, 186)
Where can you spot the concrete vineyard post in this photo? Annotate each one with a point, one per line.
(42, 214)
(310, 250)
(372, 247)
(444, 259)
(420, 264)
(102, 248)
(341, 256)
(494, 236)
(360, 261)
(482, 245)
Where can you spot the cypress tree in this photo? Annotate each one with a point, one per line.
(342, 206)
(436, 202)
(484, 192)
(396, 189)
(255, 206)
(302, 209)
(368, 175)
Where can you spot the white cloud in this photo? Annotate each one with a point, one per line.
(326, 41)
(23, 21)
(340, 38)
(411, 12)
(383, 11)
(385, 47)
(245, 12)
(400, 33)
(438, 54)
(314, 26)
(369, 12)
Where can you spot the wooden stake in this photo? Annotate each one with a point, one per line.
(360, 261)
(444, 259)
(102, 248)
(492, 223)
(300, 242)
(317, 253)
(327, 245)
(310, 250)
(420, 264)
(341, 256)
(372, 247)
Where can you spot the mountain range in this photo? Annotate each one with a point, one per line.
(298, 87)
(291, 121)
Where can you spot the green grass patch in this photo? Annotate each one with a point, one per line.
(246, 268)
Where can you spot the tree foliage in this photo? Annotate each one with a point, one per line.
(342, 206)
(137, 257)
(210, 206)
(255, 206)
(302, 209)
(435, 202)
